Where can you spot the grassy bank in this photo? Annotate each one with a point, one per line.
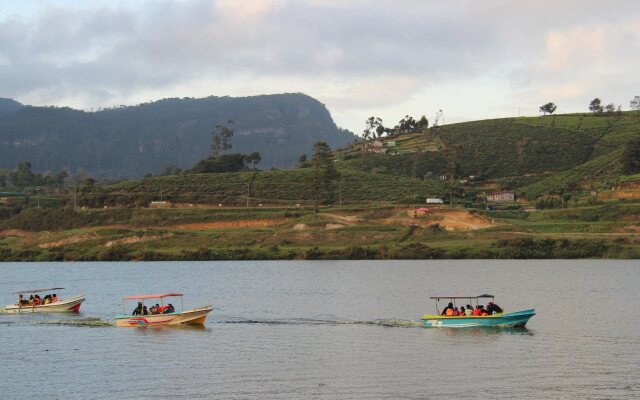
(389, 232)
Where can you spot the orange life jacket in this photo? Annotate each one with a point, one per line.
(476, 312)
(449, 312)
(456, 313)
(484, 314)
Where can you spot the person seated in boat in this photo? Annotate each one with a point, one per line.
(145, 311)
(47, 299)
(448, 310)
(462, 312)
(169, 309)
(153, 309)
(483, 312)
(161, 309)
(138, 310)
(477, 312)
(37, 300)
(54, 298)
(493, 308)
(22, 301)
(469, 311)
(31, 300)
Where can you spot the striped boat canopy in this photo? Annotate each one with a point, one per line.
(37, 290)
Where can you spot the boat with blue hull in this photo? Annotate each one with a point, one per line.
(515, 319)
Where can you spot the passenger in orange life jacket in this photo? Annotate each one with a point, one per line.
(448, 310)
(477, 312)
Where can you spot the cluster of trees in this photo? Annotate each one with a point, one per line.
(374, 128)
(218, 162)
(234, 162)
(22, 176)
(597, 107)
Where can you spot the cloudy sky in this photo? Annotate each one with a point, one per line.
(472, 59)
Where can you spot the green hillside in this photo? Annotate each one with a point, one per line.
(541, 155)
(270, 187)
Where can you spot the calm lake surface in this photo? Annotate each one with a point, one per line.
(327, 330)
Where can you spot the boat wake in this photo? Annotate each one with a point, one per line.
(90, 322)
(387, 323)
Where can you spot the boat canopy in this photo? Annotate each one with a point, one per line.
(152, 296)
(37, 290)
(482, 296)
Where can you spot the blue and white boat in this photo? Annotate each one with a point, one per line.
(501, 320)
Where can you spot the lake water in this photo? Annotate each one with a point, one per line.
(327, 330)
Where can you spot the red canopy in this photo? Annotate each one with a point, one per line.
(152, 296)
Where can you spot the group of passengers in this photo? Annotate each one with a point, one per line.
(157, 309)
(469, 311)
(36, 300)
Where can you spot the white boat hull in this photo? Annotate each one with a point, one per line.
(195, 316)
(68, 305)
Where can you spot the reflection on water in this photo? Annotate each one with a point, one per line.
(327, 330)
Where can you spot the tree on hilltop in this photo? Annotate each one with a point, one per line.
(596, 106)
(548, 108)
(610, 108)
(635, 105)
(423, 124)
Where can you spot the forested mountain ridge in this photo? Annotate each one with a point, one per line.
(9, 106)
(135, 140)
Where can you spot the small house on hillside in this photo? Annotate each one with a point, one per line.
(434, 201)
(502, 196)
(377, 146)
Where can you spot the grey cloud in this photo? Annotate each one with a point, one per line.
(118, 50)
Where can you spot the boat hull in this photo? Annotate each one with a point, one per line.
(68, 305)
(195, 316)
(510, 320)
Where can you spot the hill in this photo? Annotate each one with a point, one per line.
(539, 155)
(135, 140)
